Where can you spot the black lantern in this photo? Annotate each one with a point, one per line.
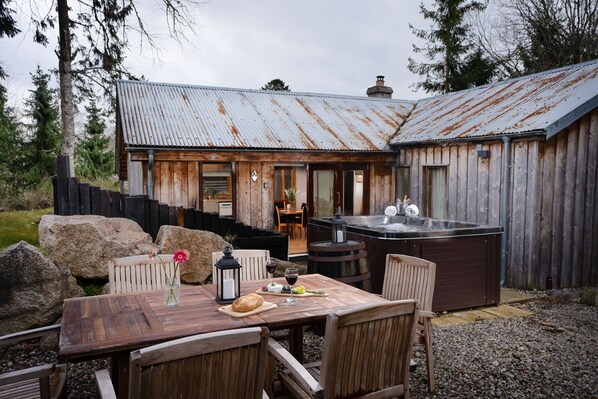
(339, 228)
(227, 278)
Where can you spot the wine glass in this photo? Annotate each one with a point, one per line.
(291, 274)
(271, 266)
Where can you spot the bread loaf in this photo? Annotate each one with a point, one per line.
(247, 302)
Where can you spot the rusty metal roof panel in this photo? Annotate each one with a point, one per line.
(542, 102)
(171, 115)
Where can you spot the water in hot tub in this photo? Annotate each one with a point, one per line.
(398, 227)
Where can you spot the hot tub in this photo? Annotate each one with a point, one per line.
(467, 255)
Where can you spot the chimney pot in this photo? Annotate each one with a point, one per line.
(380, 90)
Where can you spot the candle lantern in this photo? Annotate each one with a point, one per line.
(339, 228)
(227, 278)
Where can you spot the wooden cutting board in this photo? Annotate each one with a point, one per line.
(229, 311)
(288, 294)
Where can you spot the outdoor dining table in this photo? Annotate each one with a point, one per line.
(114, 325)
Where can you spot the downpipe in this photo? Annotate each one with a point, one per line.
(504, 203)
(150, 174)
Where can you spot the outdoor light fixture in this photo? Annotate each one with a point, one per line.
(227, 278)
(339, 228)
(482, 153)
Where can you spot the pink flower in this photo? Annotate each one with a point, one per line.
(181, 256)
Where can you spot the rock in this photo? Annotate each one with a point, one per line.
(85, 243)
(283, 264)
(32, 289)
(589, 296)
(199, 243)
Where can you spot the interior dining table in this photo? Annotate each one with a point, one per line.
(291, 214)
(114, 325)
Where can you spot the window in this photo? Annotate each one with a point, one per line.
(435, 193)
(283, 178)
(403, 182)
(216, 183)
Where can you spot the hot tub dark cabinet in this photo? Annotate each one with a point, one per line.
(467, 255)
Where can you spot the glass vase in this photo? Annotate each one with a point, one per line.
(172, 293)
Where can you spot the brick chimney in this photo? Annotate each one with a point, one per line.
(379, 90)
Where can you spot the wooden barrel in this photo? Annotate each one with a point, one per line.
(343, 262)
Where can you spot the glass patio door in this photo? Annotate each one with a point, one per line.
(340, 185)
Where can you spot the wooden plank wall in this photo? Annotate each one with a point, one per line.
(175, 183)
(473, 183)
(553, 203)
(382, 188)
(567, 207)
(255, 203)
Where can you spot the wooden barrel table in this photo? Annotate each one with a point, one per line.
(345, 262)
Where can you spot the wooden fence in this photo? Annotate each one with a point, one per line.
(71, 197)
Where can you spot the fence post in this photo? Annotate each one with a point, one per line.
(62, 189)
(73, 185)
(84, 196)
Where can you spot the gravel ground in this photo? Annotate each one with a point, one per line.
(551, 354)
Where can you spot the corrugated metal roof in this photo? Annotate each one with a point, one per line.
(171, 115)
(545, 102)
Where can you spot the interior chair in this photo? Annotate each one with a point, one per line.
(140, 273)
(223, 364)
(367, 352)
(253, 262)
(45, 381)
(410, 277)
(281, 221)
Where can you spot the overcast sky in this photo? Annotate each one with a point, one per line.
(320, 46)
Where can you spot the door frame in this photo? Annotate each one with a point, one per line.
(338, 169)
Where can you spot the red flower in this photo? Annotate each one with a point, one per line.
(181, 256)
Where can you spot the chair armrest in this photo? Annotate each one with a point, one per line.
(27, 374)
(14, 338)
(426, 313)
(307, 382)
(104, 388)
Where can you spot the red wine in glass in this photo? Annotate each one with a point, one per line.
(291, 274)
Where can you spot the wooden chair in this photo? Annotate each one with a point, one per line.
(45, 381)
(224, 364)
(253, 262)
(409, 277)
(281, 223)
(367, 351)
(140, 273)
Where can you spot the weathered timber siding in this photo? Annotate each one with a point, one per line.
(382, 188)
(255, 204)
(175, 183)
(553, 200)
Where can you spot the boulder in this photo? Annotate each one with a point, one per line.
(199, 243)
(85, 243)
(32, 289)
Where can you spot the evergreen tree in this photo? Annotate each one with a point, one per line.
(11, 161)
(94, 158)
(8, 26)
(44, 144)
(447, 48)
(276, 85)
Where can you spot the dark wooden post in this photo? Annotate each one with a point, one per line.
(73, 207)
(105, 203)
(85, 199)
(189, 221)
(115, 210)
(96, 200)
(135, 210)
(154, 210)
(63, 173)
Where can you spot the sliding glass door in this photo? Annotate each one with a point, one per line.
(340, 185)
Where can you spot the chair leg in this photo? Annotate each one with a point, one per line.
(429, 355)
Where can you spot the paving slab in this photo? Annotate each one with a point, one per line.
(471, 316)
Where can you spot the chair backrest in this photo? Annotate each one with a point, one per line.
(140, 273)
(224, 364)
(253, 262)
(278, 219)
(304, 214)
(368, 348)
(408, 277)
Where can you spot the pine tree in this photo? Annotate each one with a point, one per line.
(276, 85)
(11, 162)
(44, 144)
(94, 157)
(447, 48)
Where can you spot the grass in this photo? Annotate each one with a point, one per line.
(18, 226)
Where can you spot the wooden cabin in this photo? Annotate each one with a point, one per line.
(522, 154)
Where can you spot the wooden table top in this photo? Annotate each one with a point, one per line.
(105, 325)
